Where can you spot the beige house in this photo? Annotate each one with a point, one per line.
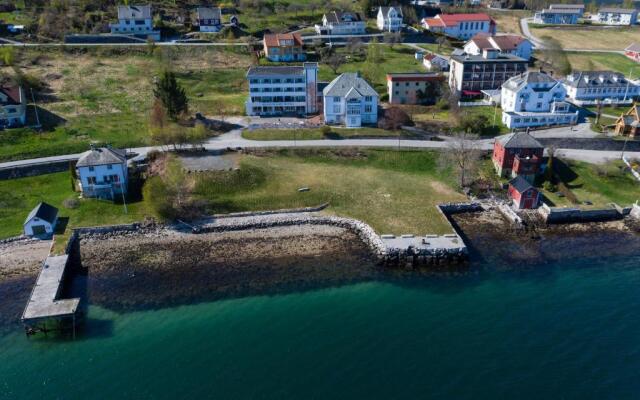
(13, 106)
(413, 88)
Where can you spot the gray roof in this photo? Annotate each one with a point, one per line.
(584, 79)
(519, 140)
(134, 12)
(500, 57)
(617, 10)
(521, 80)
(45, 212)
(276, 70)
(349, 83)
(633, 47)
(520, 184)
(561, 11)
(209, 12)
(566, 6)
(339, 16)
(385, 10)
(101, 156)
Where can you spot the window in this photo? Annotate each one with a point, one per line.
(91, 169)
(368, 108)
(336, 98)
(367, 98)
(91, 180)
(540, 95)
(336, 108)
(110, 166)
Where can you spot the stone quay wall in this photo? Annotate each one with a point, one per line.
(556, 215)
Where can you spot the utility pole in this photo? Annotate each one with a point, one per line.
(35, 107)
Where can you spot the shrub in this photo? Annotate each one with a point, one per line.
(326, 130)
(71, 203)
(550, 187)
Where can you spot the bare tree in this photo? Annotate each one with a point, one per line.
(463, 156)
(334, 61)
(392, 38)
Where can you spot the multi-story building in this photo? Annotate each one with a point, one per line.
(460, 26)
(283, 47)
(535, 99)
(505, 43)
(102, 172)
(13, 106)
(511, 149)
(604, 87)
(341, 23)
(351, 101)
(209, 19)
(135, 21)
(616, 16)
(471, 74)
(560, 14)
(389, 19)
(413, 88)
(283, 90)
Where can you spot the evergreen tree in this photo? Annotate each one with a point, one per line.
(172, 95)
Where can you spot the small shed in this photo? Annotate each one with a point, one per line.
(523, 194)
(41, 221)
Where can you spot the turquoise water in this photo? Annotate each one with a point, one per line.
(567, 331)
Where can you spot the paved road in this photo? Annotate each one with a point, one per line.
(234, 139)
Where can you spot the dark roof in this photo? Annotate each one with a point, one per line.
(208, 12)
(45, 212)
(338, 17)
(521, 80)
(618, 10)
(12, 93)
(101, 156)
(499, 58)
(633, 47)
(520, 184)
(583, 79)
(278, 70)
(519, 140)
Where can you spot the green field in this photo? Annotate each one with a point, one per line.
(589, 61)
(392, 191)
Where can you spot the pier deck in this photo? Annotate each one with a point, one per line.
(44, 302)
(425, 243)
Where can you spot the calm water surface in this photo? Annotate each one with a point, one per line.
(569, 330)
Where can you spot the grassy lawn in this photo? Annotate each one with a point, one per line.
(104, 95)
(601, 38)
(445, 49)
(598, 184)
(603, 62)
(393, 191)
(508, 21)
(316, 133)
(19, 196)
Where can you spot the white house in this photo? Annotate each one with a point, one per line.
(605, 87)
(341, 23)
(460, 26)
(434, 62)
(535, 99)
(389, 19)
(103, 172)
(505, 43)
(616, 16)
(209, 19)
(13, 106)
(351, 101)
(279, 90)
(560, 14)
(41, 221)
(136, 21)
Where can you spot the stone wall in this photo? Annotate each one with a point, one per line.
(558, 215)
(33, 170)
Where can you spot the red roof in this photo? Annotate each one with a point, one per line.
(12, 92)
(454, 19)
(433, 22)
(503, 42)
(275, 39)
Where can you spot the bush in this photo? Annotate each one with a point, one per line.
(71, 203)
(550, 187)
(442, 104)
(326, 130)
(157, 196)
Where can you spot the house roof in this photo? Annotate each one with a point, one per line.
(433, 22)
(560, 6)
(519, 140)
(209, 12)
(520, 184)
(12, 93)
(275, 39)
(479, 58)
(101, 156)
(349, 82)
(455, 19)
(633, 47)
(561, 11)
(339, 16)
(385, 10)
(519, 81)
(43, 211)
(502, 42)
(276, 70)
(413, 77)
(617, 10)
(134, 12)
(584, 79)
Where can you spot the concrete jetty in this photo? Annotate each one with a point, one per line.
(44, 303)
(422, 250)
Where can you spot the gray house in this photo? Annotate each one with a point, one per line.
(41, 221)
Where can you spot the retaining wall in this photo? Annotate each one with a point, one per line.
(34, 169)
(555, 215)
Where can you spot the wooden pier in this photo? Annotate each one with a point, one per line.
(44, 304)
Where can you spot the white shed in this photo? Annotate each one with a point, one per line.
(41, 221)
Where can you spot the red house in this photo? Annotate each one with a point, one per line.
(517, 145)
(633, 52)
(523, 194)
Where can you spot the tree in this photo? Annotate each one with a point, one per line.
(554, 55)
(374, 54)
(197, 136)
(442, 41)
(334, 61)
(463, 156)
(172, 95)
(355, 47)
(474, 124)
(151, 46)
(394, 119)
(392, 38)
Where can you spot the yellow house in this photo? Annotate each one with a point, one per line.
(13, 106)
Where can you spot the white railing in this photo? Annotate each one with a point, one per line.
(635, 173)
